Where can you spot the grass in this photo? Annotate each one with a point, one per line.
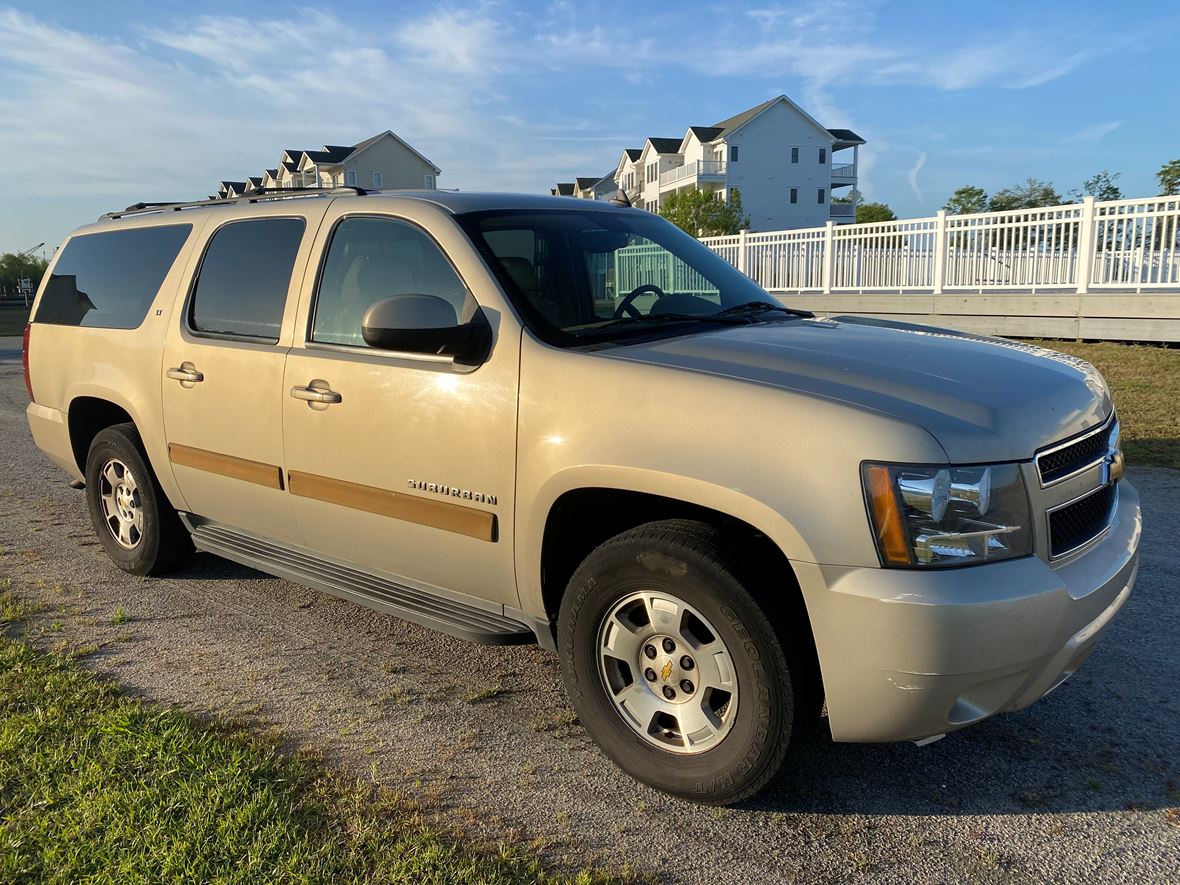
(13, 320)
(1145, 382)
(99, 786)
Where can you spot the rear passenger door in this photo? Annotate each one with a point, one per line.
(223, 369)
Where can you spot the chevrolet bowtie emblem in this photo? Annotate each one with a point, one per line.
(667, 671)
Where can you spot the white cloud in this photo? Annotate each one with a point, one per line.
(912, 176)
(1093, 133)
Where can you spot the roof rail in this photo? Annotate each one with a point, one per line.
(255, 196)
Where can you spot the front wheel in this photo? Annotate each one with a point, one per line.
(676, 670)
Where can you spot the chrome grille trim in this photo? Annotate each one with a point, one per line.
(1093, 539)
(1104, 428)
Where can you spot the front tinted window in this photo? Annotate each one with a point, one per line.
(241, 289)
(587, 276)
(374, 258)
(110, 279)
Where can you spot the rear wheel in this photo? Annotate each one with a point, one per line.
(675, 669)
(138, 527)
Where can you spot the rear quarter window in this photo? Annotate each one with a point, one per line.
(108, 280)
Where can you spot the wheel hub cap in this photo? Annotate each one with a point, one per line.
(667, 672)
(122, 506)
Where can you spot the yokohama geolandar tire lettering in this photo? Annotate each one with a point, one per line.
(661, 623)
(138, 527)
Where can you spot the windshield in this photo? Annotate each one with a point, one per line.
(587, 277)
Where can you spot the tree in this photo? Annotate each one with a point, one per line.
(1033, 194)
(967, 200)
(1100, 186)
(700, 213)
(866, 213)
(1169, 179)
(14, 267)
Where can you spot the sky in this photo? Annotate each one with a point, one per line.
(107, 103)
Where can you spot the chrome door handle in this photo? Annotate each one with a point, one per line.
(315, 395)
(183, 374)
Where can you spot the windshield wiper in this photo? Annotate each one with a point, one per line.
(658, 318)
(751, 308)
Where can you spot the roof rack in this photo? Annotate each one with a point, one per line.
(255, 196)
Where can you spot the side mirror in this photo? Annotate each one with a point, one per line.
(425, 324)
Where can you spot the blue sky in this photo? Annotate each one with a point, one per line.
(105, 103)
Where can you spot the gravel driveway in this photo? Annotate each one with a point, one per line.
(1084, 785)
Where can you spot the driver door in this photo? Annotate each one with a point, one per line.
(403, 463)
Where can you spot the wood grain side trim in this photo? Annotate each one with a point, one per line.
(437, 514)
(269, 475)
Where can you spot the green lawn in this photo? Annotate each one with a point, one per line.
(1145, 382)
(13, 320)
(97, 786)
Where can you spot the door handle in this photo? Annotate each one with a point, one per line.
(316, 395)
(185, 374)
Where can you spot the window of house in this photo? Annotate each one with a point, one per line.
(733, 153)
(350, 177)
(794, 195)
(823, 156)
(241, 287)
(428, 181)
(377, 179)
(820, 195)
(374, 258)
(110, 279)
(794, 155)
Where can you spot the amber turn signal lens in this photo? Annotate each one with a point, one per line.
(887, 522)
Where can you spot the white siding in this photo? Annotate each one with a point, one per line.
(765, 175)
(399, 167)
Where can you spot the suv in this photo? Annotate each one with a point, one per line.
(520, 419)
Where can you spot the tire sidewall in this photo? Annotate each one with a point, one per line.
(753, 751)
(118, 443)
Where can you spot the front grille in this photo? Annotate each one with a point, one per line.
(1069, 459)
(1076, 523)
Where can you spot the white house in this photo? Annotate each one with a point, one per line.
(382, 161)
(783, 163)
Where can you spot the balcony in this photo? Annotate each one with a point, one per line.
(691, 173)
(843, 212)
(844, 174)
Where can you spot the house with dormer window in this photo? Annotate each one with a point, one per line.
(383, 161)
(786, 166)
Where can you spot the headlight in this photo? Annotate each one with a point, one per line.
(944, 516)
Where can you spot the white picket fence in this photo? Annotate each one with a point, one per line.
(1123, 245)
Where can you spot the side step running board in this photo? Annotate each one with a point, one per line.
(438, 612)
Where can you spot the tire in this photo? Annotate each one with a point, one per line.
(731, 754)
(138, 527)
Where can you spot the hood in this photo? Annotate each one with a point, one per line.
(983, 399)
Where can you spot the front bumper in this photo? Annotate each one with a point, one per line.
(907, 654)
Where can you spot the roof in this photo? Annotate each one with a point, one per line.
(564, 189)
(665, 145)
(632, 153)
(731, 123)
(610, 176)
(705, 133)
(290, 167)
(273, 173)
(846, 135)
(255, 180)
(236, 185)
(584, 183)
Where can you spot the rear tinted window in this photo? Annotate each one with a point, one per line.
(242, 286)
(110, 279)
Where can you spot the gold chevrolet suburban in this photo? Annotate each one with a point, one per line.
(520, 419)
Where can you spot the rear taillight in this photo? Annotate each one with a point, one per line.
(24, 358)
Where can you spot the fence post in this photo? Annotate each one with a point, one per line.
(1085, 260)
(742, 263)
(829, 258)
(938, 277)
